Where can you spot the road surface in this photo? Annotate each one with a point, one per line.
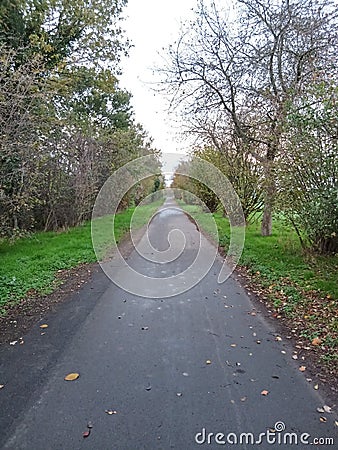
(178, 371)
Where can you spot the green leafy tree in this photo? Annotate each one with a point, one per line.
(80, 31)
(65, 123)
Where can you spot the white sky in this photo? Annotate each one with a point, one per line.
(151, 25)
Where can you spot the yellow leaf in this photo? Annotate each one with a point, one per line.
(208, 361)
(316, 341)
(72, 376)
(302, 368)
(264, 392)
(44, 325)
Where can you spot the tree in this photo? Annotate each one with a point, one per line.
(65, 124)
(78, 31)
(308, 171)
(247, 73)
(241, 170)
(22, 120)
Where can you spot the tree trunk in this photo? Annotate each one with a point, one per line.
(15, 222)
(266, 226)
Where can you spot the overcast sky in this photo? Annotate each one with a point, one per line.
(152, 25)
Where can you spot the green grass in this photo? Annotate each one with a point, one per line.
(31, 263)
(278, 258)
(301, 286)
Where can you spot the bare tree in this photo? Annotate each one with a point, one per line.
(248, 70)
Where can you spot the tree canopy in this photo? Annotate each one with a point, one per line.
(65, 123)
(245, 77)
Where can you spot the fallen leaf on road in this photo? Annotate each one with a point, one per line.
(294, 357)
(278, 338)
(243, 399)
(302, 369)
(320, 410)
(179, 394)
(316, 387)
(90, 425)
(208, 361)
(327, 409)
(148, 388)
(233, 345)
(72, 376)
(264, 392)
(336, 423)
(258, 342)
(145, 328)
(86, 434)
(44, 325)
(323, 419)
(13, 342)
(2, 386)
(316, 341)
(110, 412)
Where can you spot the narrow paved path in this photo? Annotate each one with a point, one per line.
(170, 367)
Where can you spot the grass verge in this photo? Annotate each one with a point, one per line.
(29, 265)
(300, 287)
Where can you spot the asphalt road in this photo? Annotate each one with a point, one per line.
(170, 368)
